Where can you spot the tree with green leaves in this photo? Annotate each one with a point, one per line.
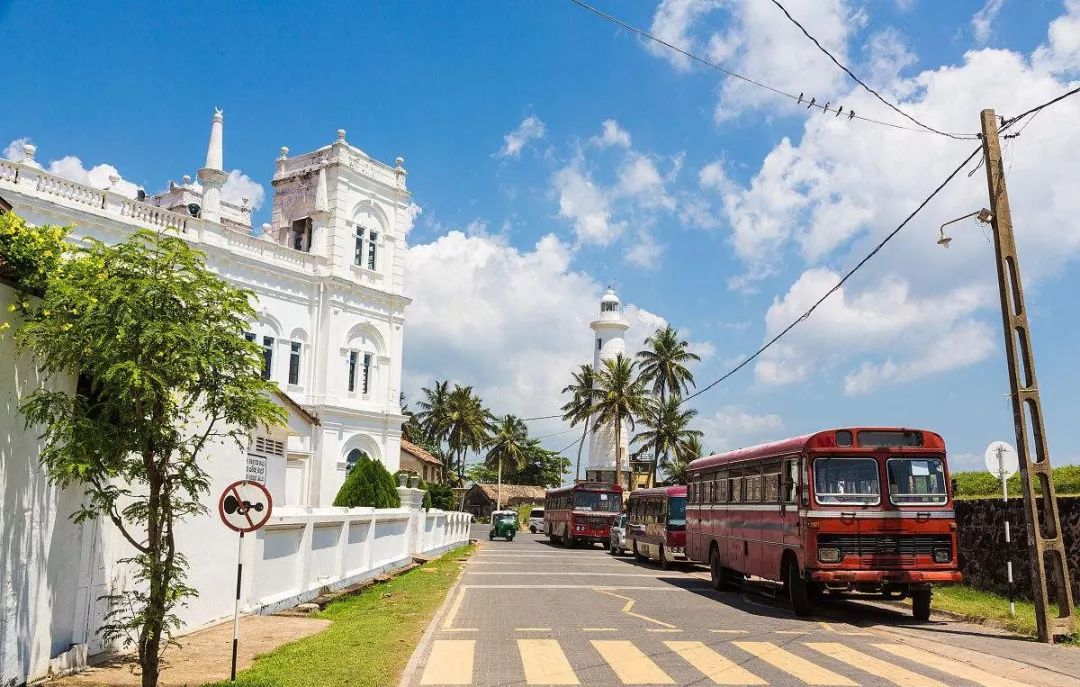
(619, 397)
(667, 430)
(432, 419)
(507, 444)
(578, 409)
(664, 368)
(156, 341)
(677, 468)
(466, 424)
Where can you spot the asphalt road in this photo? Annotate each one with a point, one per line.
(528, 613)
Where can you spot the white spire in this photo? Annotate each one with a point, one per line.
(214, 151)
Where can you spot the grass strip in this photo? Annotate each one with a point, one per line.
(372, 636)
(978, 605)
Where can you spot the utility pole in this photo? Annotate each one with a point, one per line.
(1045, 544)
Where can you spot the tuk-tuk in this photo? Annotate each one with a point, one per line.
(504, 523)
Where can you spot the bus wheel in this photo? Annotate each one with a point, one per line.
(920, 604)
(665, 564)
(532, 529)
(568, 542)
(638, 555)
(798, 592)
(717, 576)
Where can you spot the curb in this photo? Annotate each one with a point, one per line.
(414, 665)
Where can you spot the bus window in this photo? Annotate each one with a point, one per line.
(791, 480)
(772, 488)
(725, 490)
(916, 481)
(676, 512)
(840, 481)
(753, 488)
(598, 501)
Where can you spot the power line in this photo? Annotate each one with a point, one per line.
(961, 137)
(548, 436)
(800, 99)
(541, 417)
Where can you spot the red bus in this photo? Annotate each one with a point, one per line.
(657, 524)
(863, 509)
(581, 513)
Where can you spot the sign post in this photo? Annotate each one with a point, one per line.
(244, 506)
(1002, 461)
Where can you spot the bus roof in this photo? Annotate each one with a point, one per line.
(675, 490)
(585, 486)
(825, 439)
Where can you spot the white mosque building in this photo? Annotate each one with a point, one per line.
(609, 329)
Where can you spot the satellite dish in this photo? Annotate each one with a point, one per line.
(1001, 457)
(193, 209)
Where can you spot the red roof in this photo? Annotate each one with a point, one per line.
(420, 453)
(675, 490)
(587, 486)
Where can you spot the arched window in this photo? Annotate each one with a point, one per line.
(353, 458)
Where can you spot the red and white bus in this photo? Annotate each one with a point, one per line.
(581, 513)
(657, 524)
(861, 509)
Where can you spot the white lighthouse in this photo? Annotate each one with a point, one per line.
(609, 340)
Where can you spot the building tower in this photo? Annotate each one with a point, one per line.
(609, 340)
(213, 176)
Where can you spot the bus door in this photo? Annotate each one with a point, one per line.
(789, 504)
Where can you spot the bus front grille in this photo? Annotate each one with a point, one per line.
(887, 545)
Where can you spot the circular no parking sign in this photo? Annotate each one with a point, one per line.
(244, 506)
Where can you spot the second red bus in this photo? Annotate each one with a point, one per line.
(581, 513)
(657, 524)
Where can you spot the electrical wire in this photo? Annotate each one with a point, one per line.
(799, 99)
(548, 436)
(793, 20)
(541, 417)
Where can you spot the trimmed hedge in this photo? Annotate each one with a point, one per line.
(981, 484)
(368, 485)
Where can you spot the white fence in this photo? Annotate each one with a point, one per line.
(304, 552)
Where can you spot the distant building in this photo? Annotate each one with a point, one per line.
(419, 460)
(480, 499)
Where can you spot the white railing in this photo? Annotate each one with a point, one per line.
(152, 216)
(65, 188)
(9, 171)
(303, 552)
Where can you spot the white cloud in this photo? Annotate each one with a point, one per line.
(587, 205)
(644, 252)
(517, 325)
(412, 211)
(982, 22)
(14, 150)
(672, 23)
(531, 129)
(239, 186)
(99, 176)
(1061, 53)
(733, 427)
(640, 179)
(611, 135)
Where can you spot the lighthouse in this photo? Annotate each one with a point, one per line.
(609, 339)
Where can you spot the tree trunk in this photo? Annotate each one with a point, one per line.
(498, 488)
(584, 433)
(656, 448)
(618, 453)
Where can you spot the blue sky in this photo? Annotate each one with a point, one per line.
(722, 210)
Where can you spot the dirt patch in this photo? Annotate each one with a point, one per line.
(202, 656)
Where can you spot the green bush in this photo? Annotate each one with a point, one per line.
(523, 514)
(981, 484)
(442, 496)
(369, 484)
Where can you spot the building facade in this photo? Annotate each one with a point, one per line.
(327, 272)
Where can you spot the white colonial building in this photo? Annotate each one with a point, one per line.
(327, 271)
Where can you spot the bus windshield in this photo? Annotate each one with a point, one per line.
(916, 481)
(840, 481)
(677, 511)
(598, 501)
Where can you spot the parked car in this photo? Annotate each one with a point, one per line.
(617, 540)
(536, 520)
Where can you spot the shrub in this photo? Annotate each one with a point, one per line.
(369, 484)
(442, 496)
(981, 484)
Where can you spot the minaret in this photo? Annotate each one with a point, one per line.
(610, 329)
(212, 176)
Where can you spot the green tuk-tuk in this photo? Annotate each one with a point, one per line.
(504, 523)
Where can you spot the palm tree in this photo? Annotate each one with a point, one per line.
(667, 431)
(618, 396)
(432, 417)
(466, 424)
(509, 442)
(579, 407)
(676, 469)
(663, 366)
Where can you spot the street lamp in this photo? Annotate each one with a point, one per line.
(982, 215)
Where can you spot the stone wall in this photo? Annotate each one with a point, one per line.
(981, 539)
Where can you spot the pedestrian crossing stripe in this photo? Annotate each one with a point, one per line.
(875, 666)
(451, 662)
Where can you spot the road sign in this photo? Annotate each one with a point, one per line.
(1001, 457)
(244, 506)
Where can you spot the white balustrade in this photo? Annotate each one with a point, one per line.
(152, 216)
(9, 171)
(70, 190)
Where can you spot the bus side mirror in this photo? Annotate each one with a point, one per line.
(954, 486)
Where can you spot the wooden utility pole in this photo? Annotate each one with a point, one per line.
(1045, 545)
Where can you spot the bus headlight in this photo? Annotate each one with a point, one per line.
(942, 555)
(828, 555)
(579, 528)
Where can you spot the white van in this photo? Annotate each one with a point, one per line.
(536, 520)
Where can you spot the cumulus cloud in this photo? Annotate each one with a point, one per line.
(517, 325)
(1061, 52)
(645, 252)
(639, 178)
(239, 186)
(531, 129)
(733, 427)
(587, 205)
(412, 211)
(98, 176)
(672, 23)
(611, 135)
(15, 150)
(982, 22)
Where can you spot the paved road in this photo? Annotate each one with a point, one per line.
(527, 613)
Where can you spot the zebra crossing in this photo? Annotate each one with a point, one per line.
(547, 661)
